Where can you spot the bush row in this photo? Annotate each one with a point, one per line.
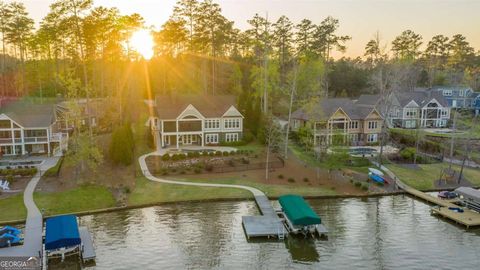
(181, 156)
(22, 172)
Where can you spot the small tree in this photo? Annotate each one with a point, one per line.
(121, 146)
(273, 139)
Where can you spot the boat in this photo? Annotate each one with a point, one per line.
(447, 195)
(8, 239)
(300, 217)
(375, 171)
(10, 230)
(376, 178)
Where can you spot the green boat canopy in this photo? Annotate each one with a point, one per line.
(298, 211)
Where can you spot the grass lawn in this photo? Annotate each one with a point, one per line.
(12, 208)
(253, 146)
(150, 192)
(424, 177)
(303, 155)
(80, 199)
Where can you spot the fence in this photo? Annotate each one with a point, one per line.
(276, 163)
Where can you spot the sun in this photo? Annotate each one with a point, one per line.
(142, 42)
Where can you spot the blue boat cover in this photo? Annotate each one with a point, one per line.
(62, 232)
(376, 178)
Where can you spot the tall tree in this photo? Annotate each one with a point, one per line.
(304, 38)
(406, 46)
(5, 16)
(282, 42)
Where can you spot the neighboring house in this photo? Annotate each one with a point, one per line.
(340, 120)
(30, 129)
(421, 108)
(456, 97)
(476, 103)
(77, 111)
(196, 120)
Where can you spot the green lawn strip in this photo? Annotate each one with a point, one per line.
(274, 190)
(424, 177)
(148, 192)
(12, 208)
(84, 198)
(253, 146)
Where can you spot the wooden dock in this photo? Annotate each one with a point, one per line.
(468, 218)
(266, 225)
(87, 250)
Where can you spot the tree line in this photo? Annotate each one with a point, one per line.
(199, 50)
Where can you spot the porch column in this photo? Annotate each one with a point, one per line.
(176, 134)
(203, 140)
(22, 137)
(12, 133)
(48, 141)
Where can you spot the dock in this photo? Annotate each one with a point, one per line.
(468, 218)
(88, 251)
(267, 225)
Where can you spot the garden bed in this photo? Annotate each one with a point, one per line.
(209, 162)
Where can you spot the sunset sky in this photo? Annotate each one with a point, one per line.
(358, 18)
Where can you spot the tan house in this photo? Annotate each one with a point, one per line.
(195, 120)
(340, 121)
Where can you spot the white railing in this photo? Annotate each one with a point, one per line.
(35, 139)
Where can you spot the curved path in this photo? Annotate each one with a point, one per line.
(146, 172)
(32, 243)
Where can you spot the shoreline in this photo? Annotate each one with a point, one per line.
(137, 206)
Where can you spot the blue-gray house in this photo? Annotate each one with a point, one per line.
(457, 97)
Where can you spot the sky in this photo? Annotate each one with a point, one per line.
(360, 19)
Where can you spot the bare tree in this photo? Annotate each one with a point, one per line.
(292, 94)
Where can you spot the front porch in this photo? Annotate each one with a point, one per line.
(179, 140)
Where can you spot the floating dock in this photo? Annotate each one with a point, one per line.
(88, 251)
(267, 225)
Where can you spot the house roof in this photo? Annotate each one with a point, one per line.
(421, 97)
(30, 115)
(326, 107)
(170, 107)
(455, 90)
(368, 100)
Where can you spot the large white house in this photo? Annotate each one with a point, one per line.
(30, 129)
(195, 120)
(424, 109)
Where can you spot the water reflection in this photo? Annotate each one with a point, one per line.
(394, 232)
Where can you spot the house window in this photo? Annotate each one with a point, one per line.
(410, 124)
(444, 112)
(447, 93)
(353, 125)
(372, 124)
(460, 93)
(295, 124)
(212, 124)
(371, 138)
(232, 123)
(411, 113)
(231, 137)
(211, 138)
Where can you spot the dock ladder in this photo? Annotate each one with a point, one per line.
(281, 232)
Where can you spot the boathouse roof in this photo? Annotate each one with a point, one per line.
(298, 211)
(61, 232)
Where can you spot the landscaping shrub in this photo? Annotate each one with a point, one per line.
(166, 157)
(208, 167)
(122, 145)
(218, 153)
(245, 160)
(197, 170)
(358, 184)
(225, 153)
(173, 170)
(231, 162)
(291, 180)
(305, 179)
(280, 176)
(408, 153)
(247, 137)
(182, 172)
(365, 187)
(233, 153)
(380, 184)
(191, 154)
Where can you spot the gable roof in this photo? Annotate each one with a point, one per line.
(30, 115)
(368, 100)
(327, 107)
(170, 107)
(421, 97)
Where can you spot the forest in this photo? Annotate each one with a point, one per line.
(82, 50)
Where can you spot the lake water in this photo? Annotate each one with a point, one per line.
(394, 232)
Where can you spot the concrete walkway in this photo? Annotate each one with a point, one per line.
(148, 175)
(32, 244)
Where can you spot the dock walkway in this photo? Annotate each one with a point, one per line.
(468, 218)
(88, 251)
(33, 233)
(269, 224)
